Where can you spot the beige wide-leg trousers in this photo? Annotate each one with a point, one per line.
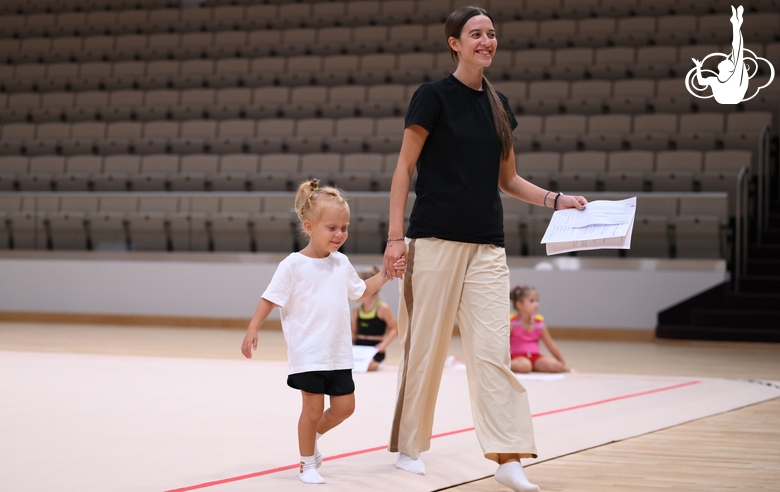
(446, 280)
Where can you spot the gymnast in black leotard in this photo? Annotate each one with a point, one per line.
(373, 324)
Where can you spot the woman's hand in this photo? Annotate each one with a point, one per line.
(394, 252)
(570, 201)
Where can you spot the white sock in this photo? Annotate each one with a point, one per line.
(406, 463)
(308, 471)
(317, 454)
(512, 475)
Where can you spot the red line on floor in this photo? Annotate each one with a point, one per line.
(444, 434)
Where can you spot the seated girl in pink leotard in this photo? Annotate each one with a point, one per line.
(528, 327)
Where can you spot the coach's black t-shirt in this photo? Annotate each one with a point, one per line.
(457, 173)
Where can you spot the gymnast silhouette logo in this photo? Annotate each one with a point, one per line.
(730, 84)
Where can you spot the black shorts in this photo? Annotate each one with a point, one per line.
(332, 383)
(379, 356)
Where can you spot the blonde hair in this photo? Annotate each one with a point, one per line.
(310, 198)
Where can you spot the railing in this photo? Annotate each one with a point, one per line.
(763, 194)
(741, 226)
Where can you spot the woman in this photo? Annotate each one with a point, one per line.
(460, 130)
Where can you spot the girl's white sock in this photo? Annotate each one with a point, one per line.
(512, 475)
(317, 454)
(308, 471)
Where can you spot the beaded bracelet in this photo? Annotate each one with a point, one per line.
(555, 203)
(544, 202)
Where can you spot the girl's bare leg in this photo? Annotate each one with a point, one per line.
(311, 415)
(522, 365)
(548, 364)
(341, 407)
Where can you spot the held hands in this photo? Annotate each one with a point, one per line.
(394, 264)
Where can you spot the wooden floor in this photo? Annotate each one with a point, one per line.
(734, 451)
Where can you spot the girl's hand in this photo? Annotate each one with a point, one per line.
(568, 201)
(400, 267)
(394, 251)
(249, 344)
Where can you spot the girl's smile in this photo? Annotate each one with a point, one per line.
(329, 232)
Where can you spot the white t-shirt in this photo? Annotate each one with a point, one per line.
(312, 294)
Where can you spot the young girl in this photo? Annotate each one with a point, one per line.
(373, 323)
(527, 328)
(311, 289)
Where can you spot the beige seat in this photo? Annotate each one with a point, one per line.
(149, 226)
(109, 227)
(540, 168)
(10, 168)
(67, 227)
(119, 172)
(42, 170)
(156, 170)
(360, 172)
(233, 136)
(324, 167)
(700, 131)
(235, 172)
(311, 135)
(628, 171)
(193, 172)
(344, 101)
(582, 171)
(352, 135)
(79, 174)
(190, 227)
(547, 97)
(562, 132)
(698, 236)
(650, 236)
(606, 132)
(26, 227)
(631, 96)
(388, 135)
(676, 170)
(652, 131)
(276, 171)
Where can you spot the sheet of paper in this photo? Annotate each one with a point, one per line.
(602, 225)
(362, 354)
(619, 242)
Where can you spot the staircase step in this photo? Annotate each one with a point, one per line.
(747, 300)
(764, 251)
(758, 267)
(771, 235)
(736, 318)
(767, 284)
(720, 333)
